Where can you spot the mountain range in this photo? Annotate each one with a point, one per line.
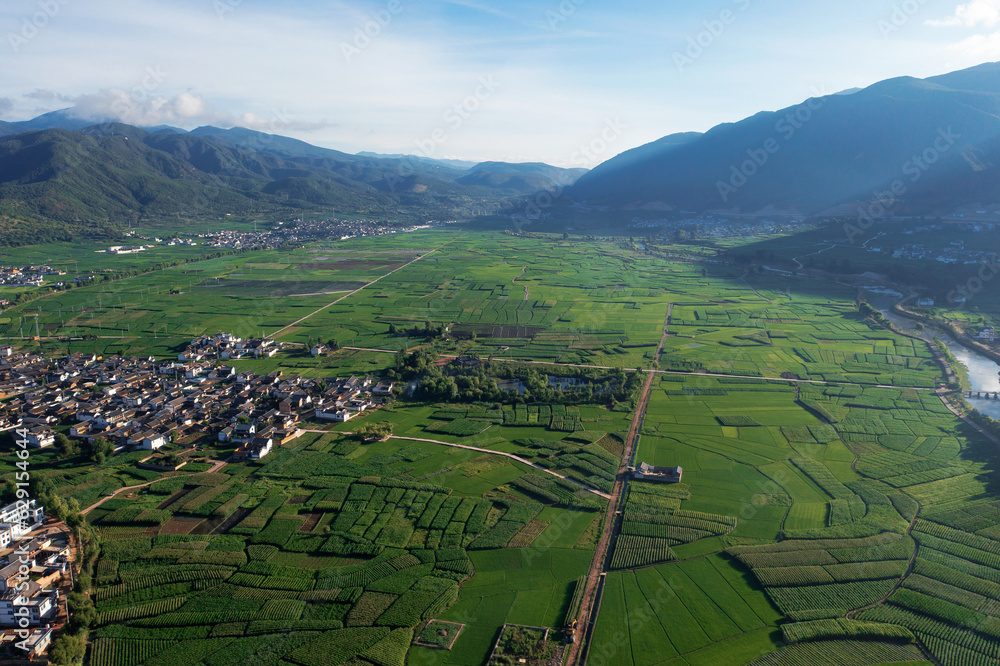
(916, 146)
(61, 176)
(905, 145)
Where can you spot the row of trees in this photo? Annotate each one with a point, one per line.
(480, 384)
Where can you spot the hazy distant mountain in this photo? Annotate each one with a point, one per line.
(937, 140)
(525, 178)
(58, 182)
(62, 119)
(462, 165)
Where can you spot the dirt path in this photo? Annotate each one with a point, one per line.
(349, 294)
(743, 279)
(514, 281)
(811, 254)
(588, 615)
(909, 570)
(218, 464)
(505, 455)
(954, 410)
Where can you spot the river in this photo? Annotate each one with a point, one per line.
(984, 373)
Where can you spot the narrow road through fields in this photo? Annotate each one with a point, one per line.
(527, 293)
(982, 431)
(349, 294)
(583, 486)
(587, 619)
(743, 279)
(467, 447)
(218, 464)
(811, 254)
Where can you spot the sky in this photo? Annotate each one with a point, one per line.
(567, 82)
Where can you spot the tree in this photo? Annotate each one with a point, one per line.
(81, 610)
(66, 446)
(68, 649)
(101, 446)
(392, 329)
(375, 431)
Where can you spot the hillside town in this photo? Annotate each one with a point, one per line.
(145, 404)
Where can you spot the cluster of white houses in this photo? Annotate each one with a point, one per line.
(139, 403)
(26, 276)
(227, 346)
(33, 563)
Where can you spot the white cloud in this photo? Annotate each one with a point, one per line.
(980, 47)
(47, 96)
(970, 15)
(186, 110)
(6, 105)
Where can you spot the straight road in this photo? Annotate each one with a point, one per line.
(349, 294)
(588, 612)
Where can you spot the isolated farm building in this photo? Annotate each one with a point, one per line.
(647, 472)
(467, 362)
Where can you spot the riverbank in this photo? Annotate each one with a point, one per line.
(958, 336)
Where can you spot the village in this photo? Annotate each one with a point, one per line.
(145, 404)
(26, 276)
(295, 231)
(139, 404)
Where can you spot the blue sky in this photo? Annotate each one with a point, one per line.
(470, 79)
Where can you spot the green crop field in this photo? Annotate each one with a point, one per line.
(831, 506)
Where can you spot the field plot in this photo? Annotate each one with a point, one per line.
(809, 338)
(830, 503)
(834, 477)
(391, 555)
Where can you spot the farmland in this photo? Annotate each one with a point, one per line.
(830, 502)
